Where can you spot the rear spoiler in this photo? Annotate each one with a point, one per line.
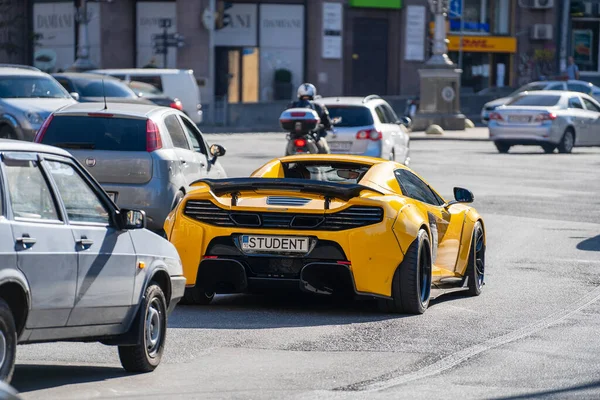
(330, 190)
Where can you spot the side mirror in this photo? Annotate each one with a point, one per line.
(462, 195)
(216, 150)
(407, 122)
(132, 219)
(75, 96)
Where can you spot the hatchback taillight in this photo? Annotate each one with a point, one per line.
(371, 134)
(42, 131)
(153, 140)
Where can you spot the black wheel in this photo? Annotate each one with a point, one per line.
(502, 147)
(567, 142)
(476, 268)
(411, 285)
(196, 296)
(548, 148)
(7, 132)
(8, 342)
(145, 356)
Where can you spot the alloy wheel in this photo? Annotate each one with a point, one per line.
(479, 258)
(2, 349)
(425, 278)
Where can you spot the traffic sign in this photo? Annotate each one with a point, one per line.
(455, 8)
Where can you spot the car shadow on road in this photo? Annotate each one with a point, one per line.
(590, 244)
(577, 391)
(276, 311)
(32, 377)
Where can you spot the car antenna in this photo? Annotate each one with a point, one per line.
(104, 95)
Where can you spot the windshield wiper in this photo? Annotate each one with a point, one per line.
(74, 145)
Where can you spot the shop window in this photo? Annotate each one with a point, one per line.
(584, 44)
(502, 17)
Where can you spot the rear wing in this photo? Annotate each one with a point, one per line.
(330, 190)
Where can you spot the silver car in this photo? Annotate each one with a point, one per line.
(570, 85)
(73, 266)
(145, 156)
(27, 97)
(548, 119)
(366, 126)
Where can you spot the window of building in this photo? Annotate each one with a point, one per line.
(585, 43)
(502, 17)
(475, 17)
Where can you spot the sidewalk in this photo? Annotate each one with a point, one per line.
(477, 134)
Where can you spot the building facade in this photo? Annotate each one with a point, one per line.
(266, 48)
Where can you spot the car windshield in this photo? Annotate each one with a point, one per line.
(535, 100)
(15, 87)
(350, 116)
(145, 89)
(95, 88)
(530, 87)
(97, 133)
(327, 172)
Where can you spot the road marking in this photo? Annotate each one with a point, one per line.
(457, 358)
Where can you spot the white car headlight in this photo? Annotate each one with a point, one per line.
(34, 118)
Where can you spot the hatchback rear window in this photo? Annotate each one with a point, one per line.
(349, 116)
(97, 133)
(535, 100)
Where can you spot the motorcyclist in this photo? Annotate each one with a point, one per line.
(306, 96)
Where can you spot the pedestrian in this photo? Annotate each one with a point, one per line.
(572, 69)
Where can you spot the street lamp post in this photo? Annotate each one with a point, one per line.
(440, 80)
(83, 62)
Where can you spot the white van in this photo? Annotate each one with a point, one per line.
(175, 83)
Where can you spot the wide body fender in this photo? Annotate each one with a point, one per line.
(471, 216)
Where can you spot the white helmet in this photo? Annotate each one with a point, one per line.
(307, 89)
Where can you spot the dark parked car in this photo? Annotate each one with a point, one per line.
(151, 92)
(91, 88)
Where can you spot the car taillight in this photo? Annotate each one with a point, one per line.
(176, 104)
(42, 131)
(545, 117)
(369, 134)
(300, 142)
(153, 140)
(495, 117)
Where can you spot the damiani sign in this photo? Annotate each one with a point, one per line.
(483, 44)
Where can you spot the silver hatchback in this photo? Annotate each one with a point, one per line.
(145, 156)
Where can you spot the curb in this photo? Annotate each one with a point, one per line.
(459, 139)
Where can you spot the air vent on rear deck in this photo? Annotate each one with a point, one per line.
(287, 201)
(353, 217)
(206, 211)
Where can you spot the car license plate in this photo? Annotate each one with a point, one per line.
(275, 244)
(518, 118)
(112, 195)
(341, 146)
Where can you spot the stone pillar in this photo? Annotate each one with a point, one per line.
(439, 102)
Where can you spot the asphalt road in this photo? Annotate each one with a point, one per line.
(534, 332)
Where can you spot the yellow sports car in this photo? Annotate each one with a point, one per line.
(329, 224)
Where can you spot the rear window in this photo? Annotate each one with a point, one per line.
(339, 172)
(95, 88)
(535, 100)
(349, 116)
(97, 133)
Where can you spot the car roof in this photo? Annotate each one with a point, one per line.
(347, 100)
(20, 145)
(552, 93)
(83, 75)
(18, 71)
(143, 71)
(118, 109)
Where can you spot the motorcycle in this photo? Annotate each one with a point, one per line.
(303, 125)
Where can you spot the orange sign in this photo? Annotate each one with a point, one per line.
(483, 44)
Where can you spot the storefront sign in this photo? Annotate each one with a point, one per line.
(582, 46)
(282, 25)
(415, 33)
(149, 14)
(376, 3)
(455, 25)
(332, 31)
(483, 44)
(54, 27)
(239, 26)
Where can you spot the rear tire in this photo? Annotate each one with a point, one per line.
(7, 132)
(567, 142)
(548, 148)
(502, 147)
(196, 296)
(476, 267)
(411, 285)
(145, 356)
(8, 342)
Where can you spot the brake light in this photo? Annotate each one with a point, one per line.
(545, 117)
(495, 117)
(298, 114)
(177, 105)
(153, 140)
(300, 142)
(369, 134)
(101, 115)
(42, 131)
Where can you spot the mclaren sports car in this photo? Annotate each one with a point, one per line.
(329, 225)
